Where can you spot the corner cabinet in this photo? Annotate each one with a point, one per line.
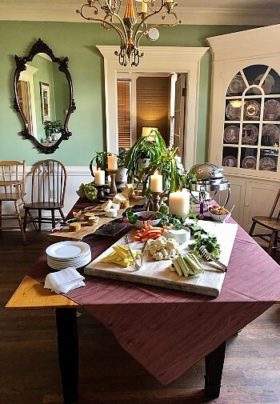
(245, 117)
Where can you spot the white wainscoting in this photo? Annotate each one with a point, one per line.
(75, 176)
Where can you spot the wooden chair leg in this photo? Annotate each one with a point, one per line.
(273, 240)
(61, 214)
(252, 228)
(39, 219)
(20, 222)
(26, 211)
(53, 219)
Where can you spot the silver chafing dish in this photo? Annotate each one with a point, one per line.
(207, 178)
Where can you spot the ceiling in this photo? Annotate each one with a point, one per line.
(219, 12)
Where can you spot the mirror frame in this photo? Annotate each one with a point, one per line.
(41, 47)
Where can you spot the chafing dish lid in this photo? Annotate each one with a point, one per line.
(204, 172)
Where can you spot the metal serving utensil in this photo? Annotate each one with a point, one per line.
(209, 257)
(135, 263)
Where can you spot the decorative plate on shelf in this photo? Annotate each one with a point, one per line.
(250, 134)
(252, 110)
(233, 113)
(271, 110)
(237, 85)
(231, 134)
(270, 135)
(249, 162)
(230, 161)
(268, 164)
(267, 85)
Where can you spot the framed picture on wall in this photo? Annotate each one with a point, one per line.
(45, 101)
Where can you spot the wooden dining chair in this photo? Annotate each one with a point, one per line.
(48, 183)
(12, 191)
(271, 223)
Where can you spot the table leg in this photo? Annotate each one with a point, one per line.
(68, 353)
(214, 363)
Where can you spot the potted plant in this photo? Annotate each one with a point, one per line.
(121, 176)
(146, 150)
(173, 173)
(52, 129)
(101, 161)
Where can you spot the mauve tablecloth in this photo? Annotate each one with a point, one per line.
(169, 331)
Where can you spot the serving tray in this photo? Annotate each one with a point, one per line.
(157, 273)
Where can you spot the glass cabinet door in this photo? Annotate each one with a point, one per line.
(252, 120)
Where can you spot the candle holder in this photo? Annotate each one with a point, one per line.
(113, 187)
(100, 193)
(155, 201)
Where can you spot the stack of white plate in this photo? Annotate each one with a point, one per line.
(68, 254)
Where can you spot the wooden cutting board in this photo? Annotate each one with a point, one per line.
(86, 230)
(80, 234)
(157, 273)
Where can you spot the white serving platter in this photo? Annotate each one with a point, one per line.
(157, 273)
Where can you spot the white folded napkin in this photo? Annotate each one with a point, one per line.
(64, 280)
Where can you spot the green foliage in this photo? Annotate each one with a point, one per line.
(52, 127)
(151, 147)
(202, 238)
(174, 176)
(101, 160)
(121, 157)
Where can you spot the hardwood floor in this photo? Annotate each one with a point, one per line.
(29, 371)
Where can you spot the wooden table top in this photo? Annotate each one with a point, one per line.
(31, 294)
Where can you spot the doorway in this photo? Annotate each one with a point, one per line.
(150, 100)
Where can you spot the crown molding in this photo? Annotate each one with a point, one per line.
(241, 45)
(64, 11)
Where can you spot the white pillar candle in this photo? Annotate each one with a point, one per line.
(99, 177)
(112, 163)
(144, 7)
(179, 203)
(156, 182)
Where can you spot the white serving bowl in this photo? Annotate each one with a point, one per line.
(219, 217)
(144, 215)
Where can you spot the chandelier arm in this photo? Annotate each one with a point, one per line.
(169, 25)
(144, 19)
(123, 35)
(141, 34)
(118, 30)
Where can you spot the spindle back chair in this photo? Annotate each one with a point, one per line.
(271, 223)
(12, 190)
(48, 183)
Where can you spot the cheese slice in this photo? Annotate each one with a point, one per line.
(119, 198)
(106, 206)
(128, 191)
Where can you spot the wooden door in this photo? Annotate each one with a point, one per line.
(180, 112)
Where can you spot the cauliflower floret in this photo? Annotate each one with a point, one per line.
(171, 245)
(165, 254)
(158, 256)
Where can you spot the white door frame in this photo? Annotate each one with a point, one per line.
(156, 59)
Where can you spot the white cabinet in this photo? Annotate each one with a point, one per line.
(245, 117)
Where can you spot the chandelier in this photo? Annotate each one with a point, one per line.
(129, 29)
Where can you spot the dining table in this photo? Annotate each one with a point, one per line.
(166, 331)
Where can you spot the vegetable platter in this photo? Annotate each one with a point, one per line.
(157, 273)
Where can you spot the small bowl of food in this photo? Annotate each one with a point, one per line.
(219, 214)
(146, 217)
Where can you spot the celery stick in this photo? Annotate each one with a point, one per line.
(194, 257)
(177, 267)
(183, 266)
(193, 264)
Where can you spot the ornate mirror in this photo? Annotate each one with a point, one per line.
(43, 97)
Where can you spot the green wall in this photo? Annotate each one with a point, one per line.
(87, 124)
